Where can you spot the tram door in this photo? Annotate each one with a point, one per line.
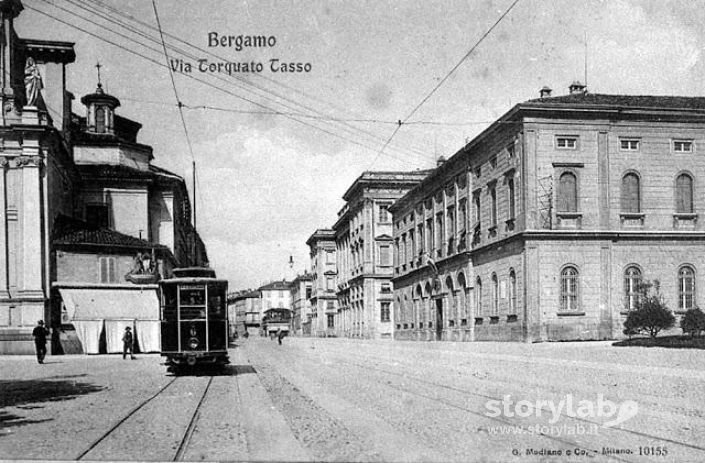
(439, 319)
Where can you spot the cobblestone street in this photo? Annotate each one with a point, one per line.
(348, 400)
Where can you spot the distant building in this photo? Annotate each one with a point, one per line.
(324, 302)
(301, 292)
(363, 240)
(275, 295)
(542, 227)
(244, 312)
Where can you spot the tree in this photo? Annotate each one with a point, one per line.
(693, 322)
(651, 314)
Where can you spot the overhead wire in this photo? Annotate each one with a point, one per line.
(209, 84)
(320, 116)
(443, 80)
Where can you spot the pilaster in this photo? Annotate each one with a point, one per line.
(31, 223)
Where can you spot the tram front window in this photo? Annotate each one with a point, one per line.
(216, 302)
(192, 299)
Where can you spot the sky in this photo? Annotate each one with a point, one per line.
(276, 151)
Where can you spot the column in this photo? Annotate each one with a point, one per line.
(31, 226)
(4, 293)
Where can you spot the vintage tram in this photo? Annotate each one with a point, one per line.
(194, 318)
(275, 320)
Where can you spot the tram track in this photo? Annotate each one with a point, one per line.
(125, 423)
(613, 430)
(612, 435)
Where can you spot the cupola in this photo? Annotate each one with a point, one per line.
(100, 110)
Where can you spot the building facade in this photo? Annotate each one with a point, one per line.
(323, 300)
(364, 250)
(82, 208)
(542, 226)
(274, 295)
(244, 312)
(301, 292)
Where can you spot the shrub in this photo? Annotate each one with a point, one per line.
(693, 322)
(651, 314)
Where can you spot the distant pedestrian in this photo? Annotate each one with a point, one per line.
(127, 343)
(280, 335)
(40, 334)
(247, 334)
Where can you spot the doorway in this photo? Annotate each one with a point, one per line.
(439, 319)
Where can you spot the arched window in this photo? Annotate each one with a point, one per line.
(569, 289)
(512, 291)
(686, 288)
(495, 294)
(631, 197)
(632, 281)
(567, 193)
(478, 296)
(684, 194)
(100, 120)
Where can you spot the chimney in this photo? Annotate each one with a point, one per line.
(577, 87)
(440, 161)
(545, 92)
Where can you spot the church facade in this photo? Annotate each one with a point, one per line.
(84, 214)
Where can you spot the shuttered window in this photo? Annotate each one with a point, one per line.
(684, 194)
(107, 270)
(567, 193)
(631, 200)
(686, 288)
(569, 289)
(632, 281)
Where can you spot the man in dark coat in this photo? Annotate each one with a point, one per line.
(40, 334)
(127, 343)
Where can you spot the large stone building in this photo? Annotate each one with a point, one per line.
(85, 218)
(301, 292)
(244, 312)
(324, 302)
(363, 246)
(274, 295)
(542, 226)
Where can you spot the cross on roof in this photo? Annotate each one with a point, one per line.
(98, 66)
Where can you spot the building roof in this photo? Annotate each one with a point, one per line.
(621, 101)
(385, 178)
(126, 173)
(276, 285)
(72, 232)
(324, 234)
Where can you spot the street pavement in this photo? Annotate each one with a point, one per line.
(356, 400)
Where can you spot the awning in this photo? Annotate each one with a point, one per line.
(110, 304)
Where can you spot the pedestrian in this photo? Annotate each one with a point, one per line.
(247, 334)
(40, 334)
(127, 343)
(280, 335)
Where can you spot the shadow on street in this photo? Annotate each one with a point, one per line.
(227, 370)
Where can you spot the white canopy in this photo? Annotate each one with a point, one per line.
(93, 309)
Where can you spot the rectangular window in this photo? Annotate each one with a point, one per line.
(308, 293)
(384, 255)
(385, 312)
(566, 143)
(476, 207)
(462, 216)
(330, 257)
(331, 320)
(98, 214)
(411, 247)
(682, 146)
(511, 150)
(330, 283)
(629, 144)
(384, 213)
(450, 226)
(419, 231)
(107, 271)
(385, 288)
(512, 198)
(493, 210)
(429, 235)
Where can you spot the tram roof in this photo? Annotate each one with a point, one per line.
(192, 280)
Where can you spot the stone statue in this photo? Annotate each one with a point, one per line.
(32, 81)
